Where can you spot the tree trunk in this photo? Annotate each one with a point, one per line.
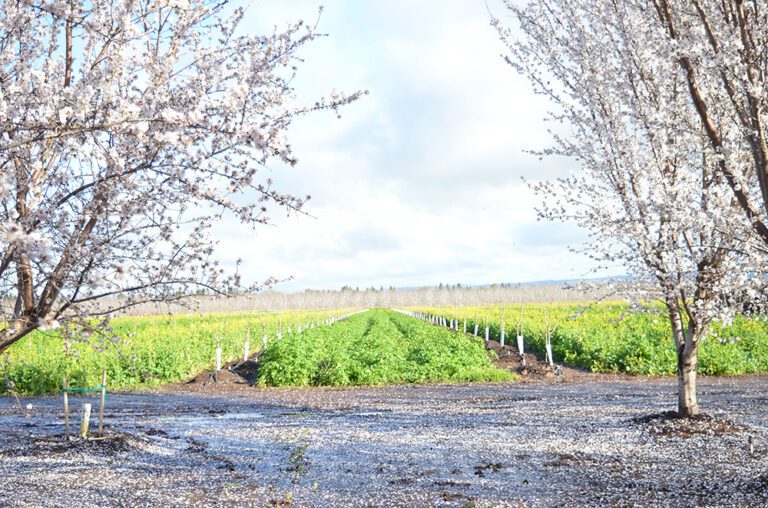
(687, 365)
(687, 346)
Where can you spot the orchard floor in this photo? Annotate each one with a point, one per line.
(540, 443)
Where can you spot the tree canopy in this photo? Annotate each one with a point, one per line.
(127, 129)
(658, 195)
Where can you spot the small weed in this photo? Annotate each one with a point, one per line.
(10, 388)
(297, 460)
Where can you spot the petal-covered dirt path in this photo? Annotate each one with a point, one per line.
(518, 444)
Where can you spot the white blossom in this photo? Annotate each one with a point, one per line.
(121, 151)
(673, 199)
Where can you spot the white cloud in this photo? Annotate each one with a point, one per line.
(419, 182)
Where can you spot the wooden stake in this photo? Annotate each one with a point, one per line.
(103, 401)
(65, 385)
(85, 419)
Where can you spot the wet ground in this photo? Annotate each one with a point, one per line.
(581, 443)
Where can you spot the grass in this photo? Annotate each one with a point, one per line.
(377, 347)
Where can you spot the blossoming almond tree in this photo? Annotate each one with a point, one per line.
(650, 189)
(721, 48)
(127, 129)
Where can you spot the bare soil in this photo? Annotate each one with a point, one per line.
(573, 439)
(534, 370)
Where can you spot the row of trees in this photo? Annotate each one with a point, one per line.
(369, 298)
(664, 103)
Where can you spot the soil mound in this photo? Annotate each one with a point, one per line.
(239, 373)
(671, 424)
(509, 358)
(248, 371)
(536, 370)
(47, 445)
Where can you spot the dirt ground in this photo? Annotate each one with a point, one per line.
(532, 369)
(565, 438)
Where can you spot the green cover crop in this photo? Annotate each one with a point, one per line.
(608, 338)
(142, 351)
(377, 347)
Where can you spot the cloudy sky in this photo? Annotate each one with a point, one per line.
(419, 182)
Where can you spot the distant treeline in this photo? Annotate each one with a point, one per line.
(348, 297)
